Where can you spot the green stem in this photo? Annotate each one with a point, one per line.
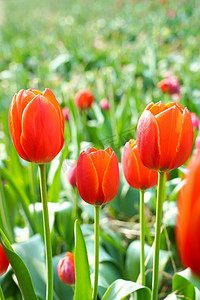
(157, 236)
(142, 237)
(1, 294)
(96, 266)
(47, 234)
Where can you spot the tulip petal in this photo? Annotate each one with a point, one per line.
(184, 141)
(170, 125)
(40, 138)
(148, 140)
(17, 106)
(100, 160)
(51, 97)
(130, 166)
(87, 179)
(110, 184)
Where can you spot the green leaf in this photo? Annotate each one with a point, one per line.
(187, 284)
(19, 268)
(120, 289)
(83, 288)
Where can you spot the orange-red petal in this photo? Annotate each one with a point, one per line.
(87, 178)
(40, 138)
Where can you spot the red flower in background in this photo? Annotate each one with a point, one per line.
(4, 262)
(36, 125)
(170, 85)
(188, 220)
(84, 99)
(97, 176)
(164, 136)
(136, 174)
(66, 269)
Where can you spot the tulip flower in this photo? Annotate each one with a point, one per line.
(164, 136)
(66, 269)
(170, 85)
(136, 174)
(4, 262)
(141, 178)
(84, 99)
(104, 104)
(188, 220)
(97, 176)
(97, 179)
(36, 125)
(65, 111)
(165, 140)
(195, 121)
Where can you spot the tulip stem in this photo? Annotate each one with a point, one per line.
(96, 266)
(142, 237)
(1, 294)
(157, 235)
(47, 234)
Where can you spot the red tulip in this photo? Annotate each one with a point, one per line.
(164, 136)
(84, 99)
(104, 104)
(72, 175)
(97, 176)
(170, 85)
(66, 269)
(136, 174)
(195, 121)
(188, 220)
(36, 125)
(4, 263)
(65, 111)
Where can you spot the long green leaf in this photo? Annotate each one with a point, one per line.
(19, 268)
(22, 196)
(83, 288)
(120, 289)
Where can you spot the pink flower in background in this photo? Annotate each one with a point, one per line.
(72, 175)
(104, 104)
(195, 121)
(65, 111)
(66, 269)
(170, 85)
(197, 142)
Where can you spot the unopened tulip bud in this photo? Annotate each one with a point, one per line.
(104, 104)
(72, 175)
(66, 113)
(195, 121)
(84, 99)
(66, 269)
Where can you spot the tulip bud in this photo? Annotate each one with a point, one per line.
(65, 111)
(170, 85)
(36, 125)
(66, 269)
(84, 99)
(164, 136)
(197, 142)
(195, 121)
(136, 174)
(72, 175)
(104, 104)
(4, 263)
(97, 175)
